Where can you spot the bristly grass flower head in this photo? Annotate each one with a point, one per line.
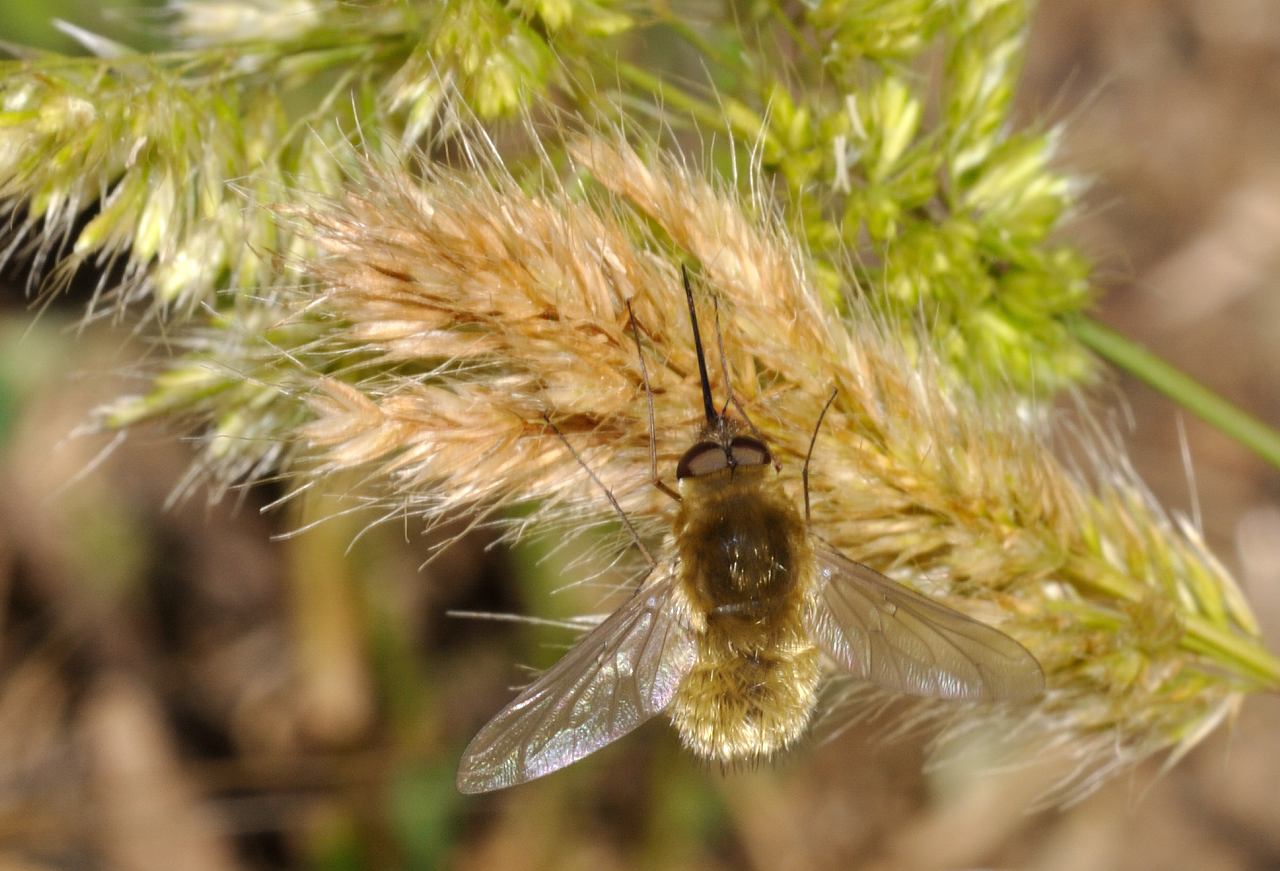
(489, 306)
(921, 193)
(262, 98)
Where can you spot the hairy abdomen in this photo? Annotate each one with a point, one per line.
(739, 705)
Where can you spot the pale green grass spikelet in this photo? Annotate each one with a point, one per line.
(203, 23)
(155, 156)
(878, 29)
(157, 145)
(502, 61)
(981, 72)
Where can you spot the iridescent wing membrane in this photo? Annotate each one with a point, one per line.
(898, 639)
(620, 674)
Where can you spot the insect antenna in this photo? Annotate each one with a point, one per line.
(813, 440)
(626, 521)
(653, 430)
(713, 419)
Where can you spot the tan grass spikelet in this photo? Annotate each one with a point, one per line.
(500, 305)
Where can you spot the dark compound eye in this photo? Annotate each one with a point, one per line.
(702, 459)
(747, 451)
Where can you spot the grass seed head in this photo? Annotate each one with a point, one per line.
(497, 305)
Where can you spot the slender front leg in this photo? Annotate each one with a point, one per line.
(648, 393)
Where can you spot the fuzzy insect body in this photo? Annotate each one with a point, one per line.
(727, 634)
(746, 572)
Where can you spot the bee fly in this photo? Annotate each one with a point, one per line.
(727, 636)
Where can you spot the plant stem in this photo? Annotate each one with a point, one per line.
(664, 91)
(1250, 657)
(1181, 388)
(689, 34)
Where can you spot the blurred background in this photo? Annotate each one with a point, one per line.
(180, 688)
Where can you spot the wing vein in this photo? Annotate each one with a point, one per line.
(617, 676)
(890, 635)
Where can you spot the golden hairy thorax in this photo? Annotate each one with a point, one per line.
(746, 570)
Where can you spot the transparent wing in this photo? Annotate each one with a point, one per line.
(903, 641)
(620, 674)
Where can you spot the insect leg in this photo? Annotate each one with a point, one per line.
(648, 394)
(804, 476)
(728, 384)
(635, 536)
(724, 369)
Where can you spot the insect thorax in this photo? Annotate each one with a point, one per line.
(743, 546)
